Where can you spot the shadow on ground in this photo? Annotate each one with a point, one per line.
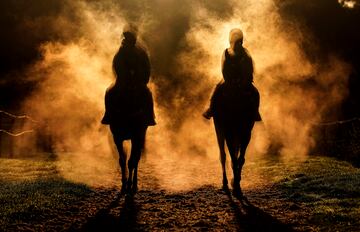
(205, 208)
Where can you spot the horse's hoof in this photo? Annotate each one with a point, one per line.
(238, 193)
(123, 190)
(134, 189)
(129, 195)
(225, 188)
(131, 192)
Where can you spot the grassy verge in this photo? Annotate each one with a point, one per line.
(329, 190)
(38, 201)
(32, 195)
(320, 194)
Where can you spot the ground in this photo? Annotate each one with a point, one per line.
(307, 194)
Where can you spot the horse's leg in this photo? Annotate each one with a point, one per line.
(122, 161)
(245, 140)
(233, 147)
(137, 146)
(221, 143)
(233, 150)
(236, 165)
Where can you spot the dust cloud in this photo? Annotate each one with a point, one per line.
(185, 43)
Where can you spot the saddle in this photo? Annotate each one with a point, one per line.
(129, 106)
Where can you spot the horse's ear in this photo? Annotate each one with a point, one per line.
(227, 54)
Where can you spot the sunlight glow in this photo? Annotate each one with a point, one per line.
(348, 3)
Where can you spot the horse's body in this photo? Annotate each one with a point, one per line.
(235, 112)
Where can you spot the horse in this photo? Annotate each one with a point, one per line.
(235, 111)
(129, 112)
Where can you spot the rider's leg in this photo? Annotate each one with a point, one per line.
(256, 96)
(210, 111)
(150, 108)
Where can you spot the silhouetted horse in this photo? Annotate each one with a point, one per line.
(234, 116)
(130, 107)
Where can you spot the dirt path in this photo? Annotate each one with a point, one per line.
(161, 206)
(206, 208)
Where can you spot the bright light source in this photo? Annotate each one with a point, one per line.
(348, 3)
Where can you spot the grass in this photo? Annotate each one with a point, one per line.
(325, 193)
(32, 192)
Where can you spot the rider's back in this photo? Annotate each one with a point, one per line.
(131, 66)
(129, 99)
(237, 69)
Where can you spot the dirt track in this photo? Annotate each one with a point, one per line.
(206, 208)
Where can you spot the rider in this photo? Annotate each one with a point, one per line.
(237, 70)
(131, 67)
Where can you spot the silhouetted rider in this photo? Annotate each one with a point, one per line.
(237, 69)
(129, 99)
(131, 63)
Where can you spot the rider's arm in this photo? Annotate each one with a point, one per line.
(225, 67)
(144, 66)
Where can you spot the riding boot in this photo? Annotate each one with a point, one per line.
(210, 111)
(257, 117)
(152, 121)
(208, 114)
(106, 118)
